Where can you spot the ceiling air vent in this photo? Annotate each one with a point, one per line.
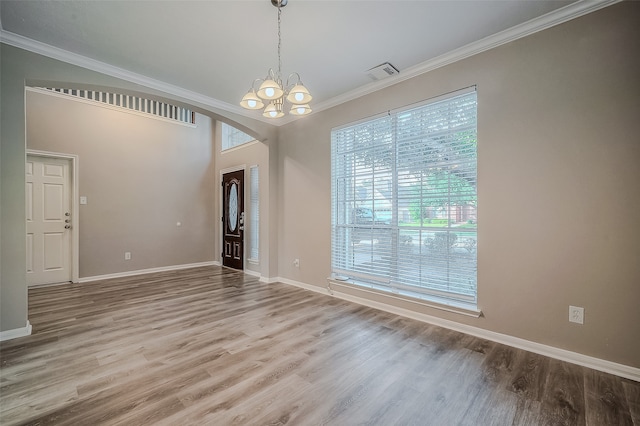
(382, 71)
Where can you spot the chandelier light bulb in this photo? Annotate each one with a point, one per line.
(270, 90)
(273, 111)
(300, 109)
(251, 101)
(299, 95)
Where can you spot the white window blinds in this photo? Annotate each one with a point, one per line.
(404, 200)
(254, 214)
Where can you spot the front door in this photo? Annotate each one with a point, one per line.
(48, 205)
(233, 219)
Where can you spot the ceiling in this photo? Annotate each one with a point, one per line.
(215, 49)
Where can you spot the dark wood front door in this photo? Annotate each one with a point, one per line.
(233, 219)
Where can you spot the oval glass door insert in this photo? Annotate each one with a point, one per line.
(233, 207)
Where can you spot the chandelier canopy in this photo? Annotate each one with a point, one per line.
(271, 90)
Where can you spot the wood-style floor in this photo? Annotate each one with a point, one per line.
(211, 346)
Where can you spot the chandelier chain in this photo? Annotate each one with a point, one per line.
(279, 42)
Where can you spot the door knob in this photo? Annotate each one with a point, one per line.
(67, 227)
(67, 214)
(67, 221)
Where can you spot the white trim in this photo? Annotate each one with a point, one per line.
(453, 308)
(109, 106)
(16, 332)
(232, 169)
(75, 204)
(252, 273)
(556, 17)
(238, 147)
(49, 51)
(321, 290)
(148, 271)
(621, 370)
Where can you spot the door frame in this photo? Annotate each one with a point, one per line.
(75, 210)
(242, 167)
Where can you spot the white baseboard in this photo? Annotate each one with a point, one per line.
(516, 342)
(148, 271)
(15, 333)
(252, 273)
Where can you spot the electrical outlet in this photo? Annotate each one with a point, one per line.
(127, 255)
(296, 263)
(576, 314)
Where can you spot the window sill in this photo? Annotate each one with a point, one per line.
(449, 306)
(238, 147)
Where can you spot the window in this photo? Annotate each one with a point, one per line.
(254, 219)
(404, 200)
(232, 137)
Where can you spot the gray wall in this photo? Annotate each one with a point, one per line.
(558, 183)
(141, 177)
(13, 289)
(19, 69)
(558, 180)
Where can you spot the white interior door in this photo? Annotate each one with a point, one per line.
(48, 220)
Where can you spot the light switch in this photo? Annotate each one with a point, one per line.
(83, 200)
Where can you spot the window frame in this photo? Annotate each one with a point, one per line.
(385, 140)
(254, 214)
(229, 133)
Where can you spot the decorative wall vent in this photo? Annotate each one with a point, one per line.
(134, 103)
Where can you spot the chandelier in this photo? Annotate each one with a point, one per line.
(271, 90)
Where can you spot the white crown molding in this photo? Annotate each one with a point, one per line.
(49, 51)
(621, 370)
(559, 16)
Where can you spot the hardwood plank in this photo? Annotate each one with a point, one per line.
(529, 375)
(632, 393)
(563, 398)
(444, 390)
(606, 402)
(213, 346)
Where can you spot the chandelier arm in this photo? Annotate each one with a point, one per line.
(271, 75)
(290, 84)
(253, 85)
